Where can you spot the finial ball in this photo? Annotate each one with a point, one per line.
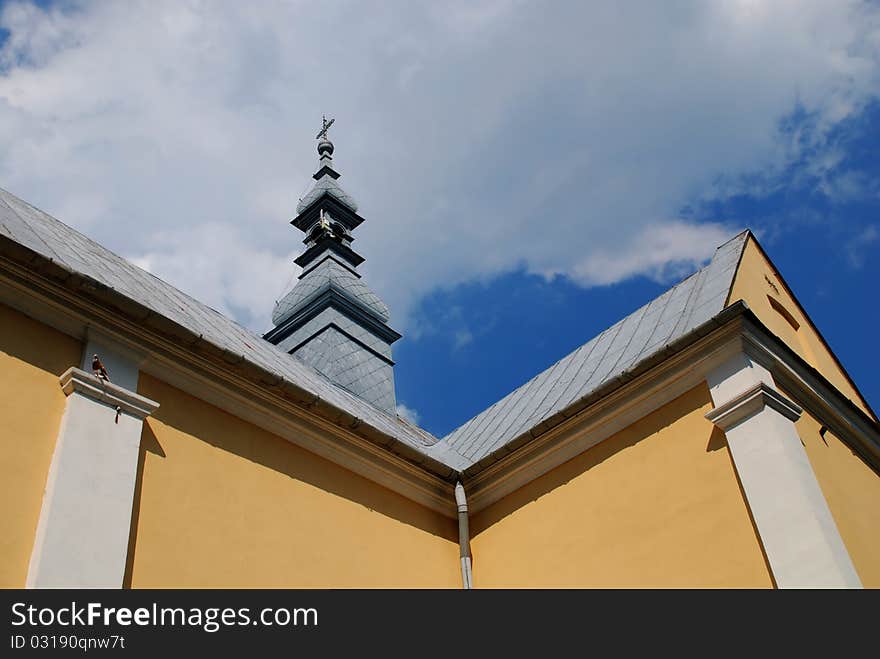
(325, 146)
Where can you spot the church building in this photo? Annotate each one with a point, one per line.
(709, 439)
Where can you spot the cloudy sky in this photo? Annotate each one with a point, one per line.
(530, 171)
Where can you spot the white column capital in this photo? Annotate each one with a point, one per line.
(749, 403)
(77, 380)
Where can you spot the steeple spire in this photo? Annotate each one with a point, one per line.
(330, 319)
(325, 152)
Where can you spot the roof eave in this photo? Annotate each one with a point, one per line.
(235, 365)
(726, 315)
(737, 322)
(348, 217)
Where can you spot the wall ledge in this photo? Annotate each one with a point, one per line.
(77, 380)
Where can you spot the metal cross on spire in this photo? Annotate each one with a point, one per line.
(324, 128)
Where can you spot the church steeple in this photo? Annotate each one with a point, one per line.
(330, 319)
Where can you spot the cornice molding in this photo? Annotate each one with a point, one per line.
(77, 380)
(332, 257)
(335, 299)
(621, 407)
(349, 218)
(308, 422)
(748, 403)
(227, 381)
(815, 394)
(607, 412)
(326, 243)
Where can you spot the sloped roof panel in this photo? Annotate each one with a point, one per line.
(328, 274)
(52, 239)
(613, 352)
(618, 349)
(326, 184)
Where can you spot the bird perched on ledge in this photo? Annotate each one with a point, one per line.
(99, 369)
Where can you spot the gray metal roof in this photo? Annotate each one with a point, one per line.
(618, 349)
(615, 351)
(328, 274)
(331, 187)
(50, 238)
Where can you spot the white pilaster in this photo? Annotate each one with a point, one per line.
(82, 534)
(796, 528)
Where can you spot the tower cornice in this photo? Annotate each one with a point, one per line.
(329, 245)
(327, 202)
(337, 300)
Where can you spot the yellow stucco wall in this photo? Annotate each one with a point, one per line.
(757, 282)
(656, 505)
(224, 503)
(32, 356)
(852, 490)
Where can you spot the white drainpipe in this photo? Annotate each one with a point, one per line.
(464, 538)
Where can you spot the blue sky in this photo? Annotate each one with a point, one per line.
(495, 336)
(528, 176)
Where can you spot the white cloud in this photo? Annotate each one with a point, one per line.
(663, 251)
(408, 413)
(477, 137)
(463, 337)
(245, 273)
(857, 246)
